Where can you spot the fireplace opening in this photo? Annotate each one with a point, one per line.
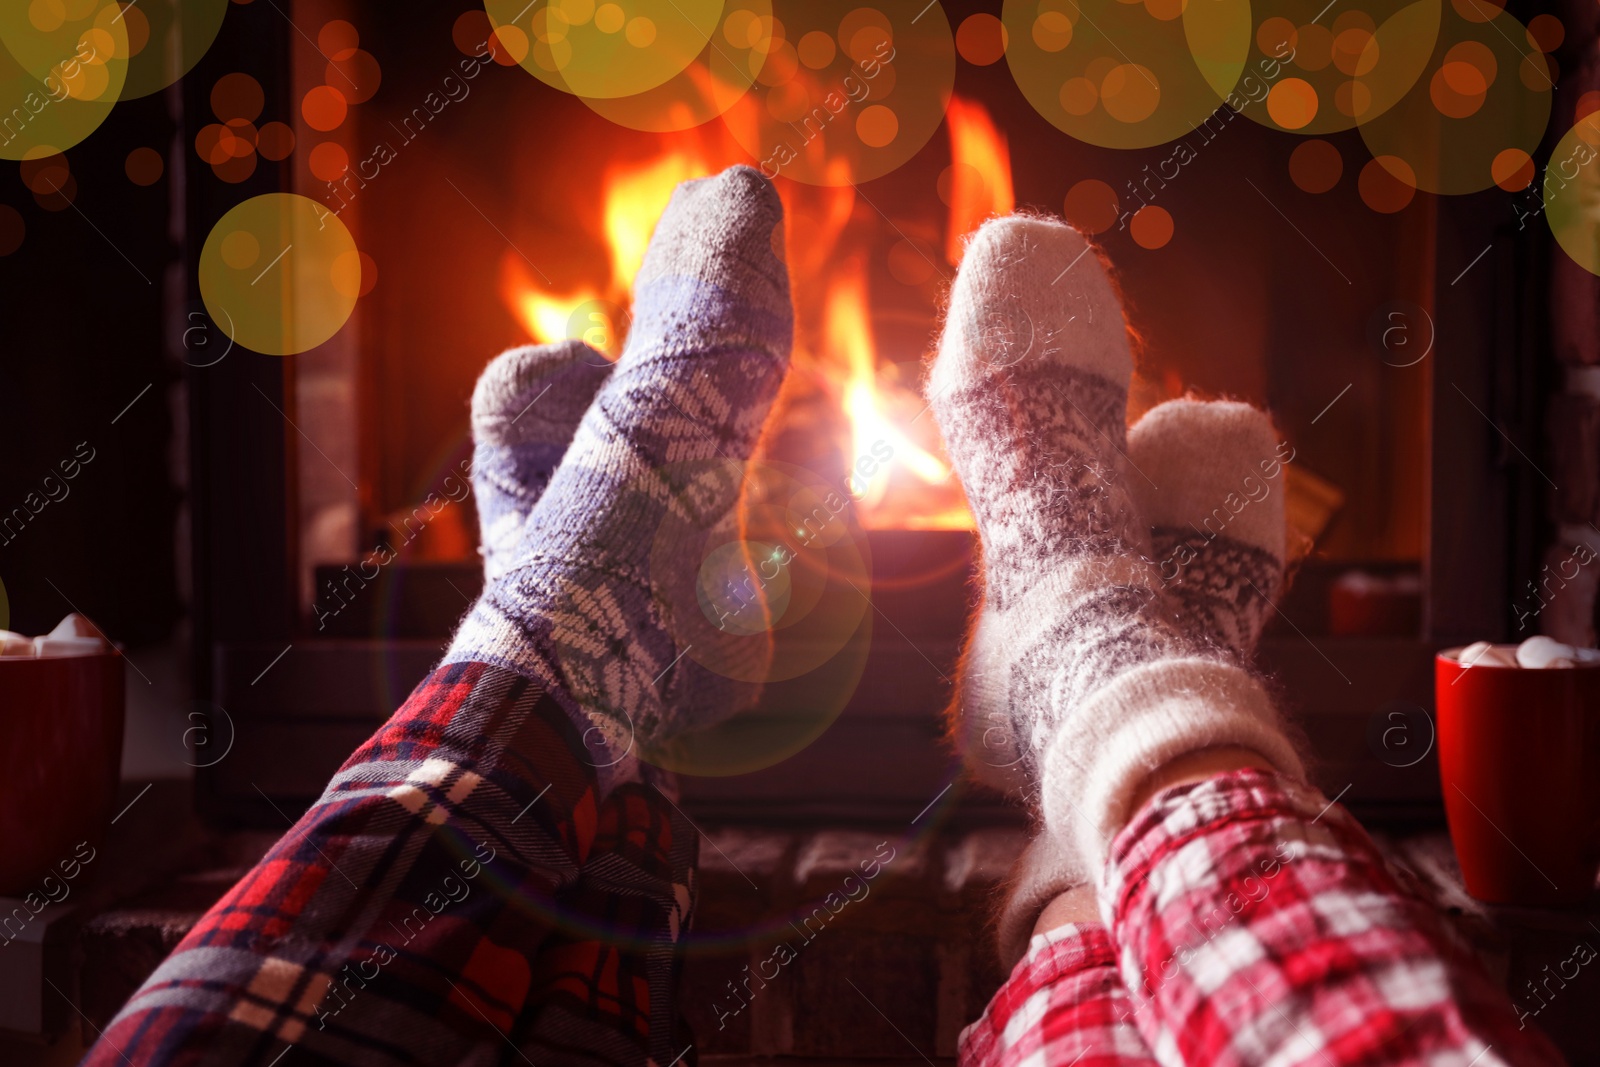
(497, 210)
(518, 215)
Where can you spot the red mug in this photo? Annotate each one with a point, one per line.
(1519, 761)
(60, 760)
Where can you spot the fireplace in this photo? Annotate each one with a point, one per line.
(493, 210)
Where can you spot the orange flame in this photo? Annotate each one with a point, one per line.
(915, 489)
(828, 245)
(634, 197)
(980, 172)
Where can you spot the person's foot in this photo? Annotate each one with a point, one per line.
(525, 410)
(1213, 490)
(1030, 389)
(629, 590)
(1208, 481)
(1074, 638)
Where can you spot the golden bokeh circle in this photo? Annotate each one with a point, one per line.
(280, 273)
(712, 83)
(878, 99)
(1123, 75)
(62, 69)
(1572, 192)
(803, 542)
(177, 34)
(614, 50)
(1467, 109)
(1316, 70)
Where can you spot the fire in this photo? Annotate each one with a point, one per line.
(850, 334)
(634, 197)
(980, 172)
(829, 242)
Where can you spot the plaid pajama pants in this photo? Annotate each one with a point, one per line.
(460, 894)
(1249, 921)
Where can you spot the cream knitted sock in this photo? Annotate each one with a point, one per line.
(1209, 483)
(1101, 686)
(1217, 519)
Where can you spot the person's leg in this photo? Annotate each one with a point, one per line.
(1066, 976)
(493, 876)
(1256, 922)
(1064, 1003)
(1250, 924)
(525, 409)
(1219, 579)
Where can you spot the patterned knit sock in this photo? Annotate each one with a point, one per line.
(1102, 688)
(630, 593)
(1208, 480)
(1215, 504)
(525, 410)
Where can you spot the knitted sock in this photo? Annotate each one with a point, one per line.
(1216, 511)
(1222, 570)
(622, 596)
(1101, 687)
(525, 409)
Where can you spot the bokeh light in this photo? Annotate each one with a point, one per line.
(1123, 75)
(981, 39)
(166, 38)
(1091, 206)
(1387, 184)
(1315, 165)
(1545, 32)
(276, 273)
(715, 79)
(275, 141)
(870, 109)
(337, 39)
(328, 161)
(13, 230)
(355, 74)
(324, 108)
(1292, 103)
(61, 73)
(805, 540)
(1151, 226)
(144, 166)
(1315, 69)
(1572, 188)
(613, 50)
(1468, 108)
(1512, 170)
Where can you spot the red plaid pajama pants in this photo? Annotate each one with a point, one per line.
(1249, 921)
(462, 893)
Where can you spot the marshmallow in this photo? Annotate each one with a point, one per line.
(1486, 654)
(1540, 652)
(73, 636)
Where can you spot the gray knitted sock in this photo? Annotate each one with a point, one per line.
(1100, 685)
(525, 409)
(628, 595)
